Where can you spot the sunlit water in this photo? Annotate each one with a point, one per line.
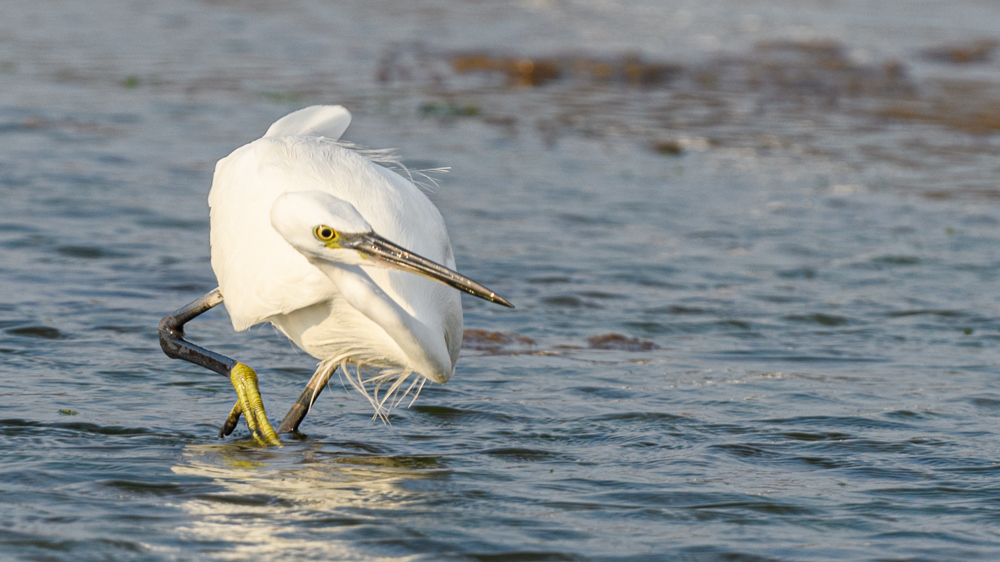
(805, 279)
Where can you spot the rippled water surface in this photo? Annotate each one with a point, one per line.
(754, 249)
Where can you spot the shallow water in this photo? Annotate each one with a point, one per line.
(757, 315)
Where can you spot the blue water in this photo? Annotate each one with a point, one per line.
(757, 317)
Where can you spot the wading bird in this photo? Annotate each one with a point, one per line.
(346, 257)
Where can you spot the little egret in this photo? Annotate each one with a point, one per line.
(349, 259)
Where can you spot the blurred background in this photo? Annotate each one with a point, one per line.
(754, 248)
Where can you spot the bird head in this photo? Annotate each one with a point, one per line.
(323, 227)
(320, 226)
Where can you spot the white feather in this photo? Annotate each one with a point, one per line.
(263, 278)
(328, 121)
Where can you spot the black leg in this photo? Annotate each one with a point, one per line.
(176, 347)
(301, 407)
(244, 379)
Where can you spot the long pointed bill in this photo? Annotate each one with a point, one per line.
(374, 246)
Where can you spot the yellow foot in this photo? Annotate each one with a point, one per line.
(250, 404)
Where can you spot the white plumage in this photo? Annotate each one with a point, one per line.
(393, 319)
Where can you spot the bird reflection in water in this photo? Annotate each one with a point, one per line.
(266, 500)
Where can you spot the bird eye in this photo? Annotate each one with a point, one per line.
(324, 233)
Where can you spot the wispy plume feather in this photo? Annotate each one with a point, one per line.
(389, 158)
(381, 385)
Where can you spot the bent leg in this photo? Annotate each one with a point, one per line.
(244, 378)
(176, 347)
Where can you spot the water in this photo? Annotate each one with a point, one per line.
(756, 319)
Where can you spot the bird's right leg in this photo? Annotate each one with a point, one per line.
(244, 379)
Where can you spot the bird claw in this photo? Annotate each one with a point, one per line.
(232, 421)
(251, 405)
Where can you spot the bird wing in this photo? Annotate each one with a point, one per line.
(259, 273)
(328, 121)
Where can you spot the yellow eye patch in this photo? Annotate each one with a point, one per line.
(324, 233)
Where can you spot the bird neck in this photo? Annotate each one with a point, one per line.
(427, 351)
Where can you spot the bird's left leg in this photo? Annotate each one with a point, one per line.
(244, 378)
(302, 406)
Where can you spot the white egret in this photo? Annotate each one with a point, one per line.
(346, 257)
